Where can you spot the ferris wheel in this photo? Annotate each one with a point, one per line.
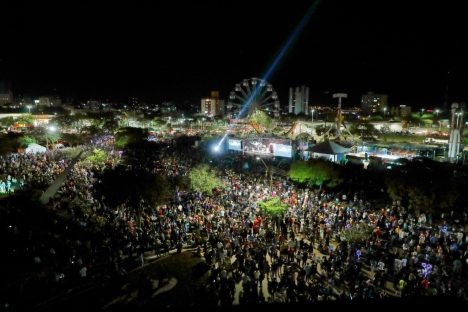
(262, 97)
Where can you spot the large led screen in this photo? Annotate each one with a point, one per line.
(268, 147)
(282, 150)
(235, 145)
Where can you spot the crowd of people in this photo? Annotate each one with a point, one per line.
(304, 254)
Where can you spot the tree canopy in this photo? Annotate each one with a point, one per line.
(316, 173)
(128, 136)
(273, 206)
(261, 121)
(119, 185)
(97, 158)
(428, 186)
(204, 179)
(25, 140)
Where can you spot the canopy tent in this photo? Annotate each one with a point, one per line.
(329, 150)
(34, 148)
(329, 147)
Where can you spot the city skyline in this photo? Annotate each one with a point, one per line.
(181, 51)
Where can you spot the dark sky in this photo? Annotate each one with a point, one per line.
(180, 50)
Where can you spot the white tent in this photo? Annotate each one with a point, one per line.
(34, 148)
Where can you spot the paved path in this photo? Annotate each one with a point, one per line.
(54, 187)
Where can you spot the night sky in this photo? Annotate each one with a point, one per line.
(180, 50)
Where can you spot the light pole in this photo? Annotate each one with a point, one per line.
(29, 108)
(50, 129)
(385, 112)
(266, 170)
(437, 117)
(312, 111)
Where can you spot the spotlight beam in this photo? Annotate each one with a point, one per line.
(276, 61)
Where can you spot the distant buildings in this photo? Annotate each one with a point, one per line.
(212, 106)
(6, 94)
(299, 100)
(168, 107)
(374, 103)
(49, 101)
(405, 111)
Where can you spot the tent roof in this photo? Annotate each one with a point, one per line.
(34, 148)
(329, 147)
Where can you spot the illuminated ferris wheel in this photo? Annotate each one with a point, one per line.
(259, 93)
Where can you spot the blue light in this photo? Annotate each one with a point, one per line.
(279, 56)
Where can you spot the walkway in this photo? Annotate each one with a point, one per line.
(54, 187)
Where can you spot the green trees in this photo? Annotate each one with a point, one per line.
(97, 158)
(25, 140)
(261, 120)
(363, 128)
(203, 179)
(273, 206)
(127, 136)
(316, 173)
(7, 122)
(357, 233)
(427, 186)
(120, 185)
(25, 119)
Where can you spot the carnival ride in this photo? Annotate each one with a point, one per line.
(251, 95)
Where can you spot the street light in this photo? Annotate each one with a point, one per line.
(267, 169)
(385, 111)
(50, 129)
(29, 108)
(312, 111)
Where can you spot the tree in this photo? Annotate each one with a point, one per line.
(120, 185)
(97, 158)
(127, 136)
(26, 119)
(316, 173)
(8, 143)
(203, 179)
(7, 122)
(363, 128)
(438, 191)
(357, 233)
(24, 141)
(261, 121)
(273, 206)
(52, 137)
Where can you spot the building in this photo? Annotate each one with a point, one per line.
(405, 111)
(6, 94)
(299, 100)
(49, 101)
(212, 106)
(374, 103)
(168, 107)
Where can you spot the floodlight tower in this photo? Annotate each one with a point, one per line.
(339, 96)
(338, 120)
(456, 130)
